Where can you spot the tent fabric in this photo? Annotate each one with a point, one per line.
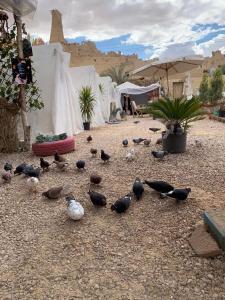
(19, 7)
(60, 86)
(133, 89)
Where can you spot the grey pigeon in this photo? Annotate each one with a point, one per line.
(159, 154)
(138, 188)
(122, 204)
(125, 142)
(179, 194)
(97, 199)
(138, 141)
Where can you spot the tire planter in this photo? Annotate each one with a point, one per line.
(87, 125)
(174, 143)
(47, 149)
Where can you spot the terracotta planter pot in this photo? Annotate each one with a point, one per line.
(47, 149)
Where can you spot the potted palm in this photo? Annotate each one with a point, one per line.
(176, 115)
(87, 102)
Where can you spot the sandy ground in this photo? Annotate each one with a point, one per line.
(143, 254)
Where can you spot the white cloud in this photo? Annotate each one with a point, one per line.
(159, 23)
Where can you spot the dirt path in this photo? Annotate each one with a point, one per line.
(142, 254)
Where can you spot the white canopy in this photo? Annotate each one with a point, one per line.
(133, 89)
(60, 86)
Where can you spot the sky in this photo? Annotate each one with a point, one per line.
(149, 28)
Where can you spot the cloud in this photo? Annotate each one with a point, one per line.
(156, 23)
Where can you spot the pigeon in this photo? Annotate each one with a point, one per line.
(80, 164)
(138, 141)
(62, 166)
(89, 138)
(125, 142)
(159, 141)
(154, 129)
(58, 157)
(8, 167)
(105, 157)
(122, 204)
(32, 184)
(198, 143)
(54, 193)
(19, 169)
(7, 176)
(44, 164)
(94, 152)
(159, 154)
(178, 194)
(159, 186)
(31, 172)
(136, 122)
(74, 209)
(95, 179)
(130, 156)
(138, 188)
(147, 142)
(97, 199)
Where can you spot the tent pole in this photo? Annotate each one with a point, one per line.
(167, 79)
(22, 96)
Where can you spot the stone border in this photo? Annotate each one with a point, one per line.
(215, 118)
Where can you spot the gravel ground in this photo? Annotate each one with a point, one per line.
(143, 254)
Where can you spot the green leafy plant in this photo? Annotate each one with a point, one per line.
(8, 89)
(50, 138)
(216, 86)
(178, 112)
(204, 89)
(118, 73)
(87, 103)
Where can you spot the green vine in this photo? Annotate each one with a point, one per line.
(8, 89)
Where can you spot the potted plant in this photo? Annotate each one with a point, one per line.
(177, 115)
(87, 102)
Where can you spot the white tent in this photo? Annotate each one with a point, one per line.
(60, 86)
(133, 89)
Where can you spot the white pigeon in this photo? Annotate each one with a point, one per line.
(74, 209)
(130, 155)
(198, 143)
(32, 184)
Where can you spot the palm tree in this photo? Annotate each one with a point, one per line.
(117, 73)
(179, 112)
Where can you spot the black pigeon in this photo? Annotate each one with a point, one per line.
(159, 154)
(20, 168)
(31, 172)
(44, 164)
(89, 138)
(138, 188)
(136, 122)
(80, 164)
(154, 129)
(97, 198)
(105, 157)
(8, 167)
(138, 141)
(122, 204)
(179, 194)
(159, 186)
(125, 142)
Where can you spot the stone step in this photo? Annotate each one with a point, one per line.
(203, 243)
(215, 222)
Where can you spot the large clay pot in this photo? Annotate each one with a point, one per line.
(48, 148)
(174, 143)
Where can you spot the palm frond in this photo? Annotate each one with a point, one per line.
(87, 102)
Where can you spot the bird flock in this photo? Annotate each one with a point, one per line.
(74, 209)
